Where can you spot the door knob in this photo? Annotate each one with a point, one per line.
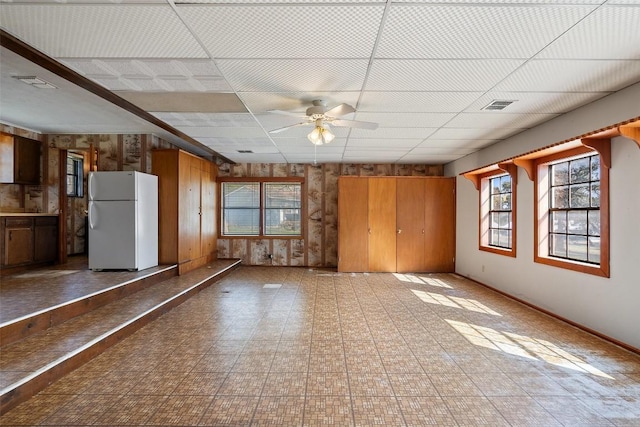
(399, 230)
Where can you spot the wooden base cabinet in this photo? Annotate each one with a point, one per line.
(396, 224)
(187, 208)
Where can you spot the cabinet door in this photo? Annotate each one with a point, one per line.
(18, 244)
(208, 220)
(27, 161)
(410, 221)
(46, 243)
(352, 224)
(439, 224)
(382, 224)
(195, 209)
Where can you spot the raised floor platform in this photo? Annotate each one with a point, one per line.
(55, 319)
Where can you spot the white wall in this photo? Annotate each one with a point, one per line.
(610, 306)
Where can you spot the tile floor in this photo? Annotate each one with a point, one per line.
(301, 347)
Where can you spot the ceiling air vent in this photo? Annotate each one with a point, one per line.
(245, 151)
(498, 105)
(35, 82)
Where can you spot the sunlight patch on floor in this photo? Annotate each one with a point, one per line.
(523, 346)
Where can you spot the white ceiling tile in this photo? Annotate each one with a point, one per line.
(493, 119)
(439, 74)
(208, 119)
(457, 143)
(254, 157)
(291, 31)
(416, 120)
(372, 157)
(104, 31)
(481, 133)
(434, 159)
(294, 75)
(392, 133)
(222, 132)
(441, 151)
(372, 143)
(537, 102)
(272, 1)
(507, 2)
(234, 144)
(572, 75)
(611, 32)
(428, 102)
(296, 102)
(469, 31)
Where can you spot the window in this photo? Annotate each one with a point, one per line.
(497, 211)
(75, 167)
(261, 208)
(572, 211)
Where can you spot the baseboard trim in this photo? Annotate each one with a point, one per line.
(600, 335)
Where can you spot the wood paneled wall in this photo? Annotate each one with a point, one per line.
(318, 245)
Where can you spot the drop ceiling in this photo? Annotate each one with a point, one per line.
(423, 70)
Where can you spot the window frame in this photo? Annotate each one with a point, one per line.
(262, 207)
(485, 210)
(78, 175)
(542, 209)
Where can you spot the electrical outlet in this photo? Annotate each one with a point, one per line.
(483, 268)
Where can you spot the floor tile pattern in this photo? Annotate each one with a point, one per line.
(330, 349)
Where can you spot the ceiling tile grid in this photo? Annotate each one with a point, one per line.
(572, 75)
(421, 69)
(292, 31)
(417, 102)
(469, 31)
(439, 74)
(102, 31)
(610, 32)
(290, 75)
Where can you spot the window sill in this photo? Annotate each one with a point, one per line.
(499, 251)
(595, 270)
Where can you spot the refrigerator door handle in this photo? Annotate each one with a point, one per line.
(90, 187)
(93, 215)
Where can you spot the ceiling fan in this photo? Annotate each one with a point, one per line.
(322, 118)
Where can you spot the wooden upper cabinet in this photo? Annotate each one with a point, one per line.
(19, 160)
(440, 225)
(382, 224)
(353, 207)
(410, 204)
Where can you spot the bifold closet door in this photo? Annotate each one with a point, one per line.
(353, 206)
(410, 256)
(440, 224)
(382, 224)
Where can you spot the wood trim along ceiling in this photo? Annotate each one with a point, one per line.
(17, 46)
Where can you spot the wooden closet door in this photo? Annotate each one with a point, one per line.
(440, 230)
(410, 223)
(352, 224)
(382, 224)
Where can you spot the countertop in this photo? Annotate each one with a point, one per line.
(3, 214)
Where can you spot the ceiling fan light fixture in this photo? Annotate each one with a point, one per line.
(320, 135)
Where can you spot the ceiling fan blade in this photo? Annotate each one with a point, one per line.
(288, 127)
(355, 124)
(287, 113)
(340, 110)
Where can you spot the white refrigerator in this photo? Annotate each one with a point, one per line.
(123, 220)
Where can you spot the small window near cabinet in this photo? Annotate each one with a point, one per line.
(75, 167)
